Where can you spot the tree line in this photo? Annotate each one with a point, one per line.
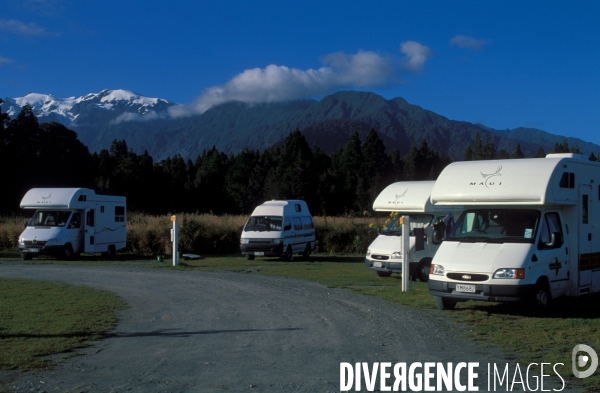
(344, 182)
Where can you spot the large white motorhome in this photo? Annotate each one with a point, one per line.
(70, 221)
(529, 230)
(411, 198)
(279, 228)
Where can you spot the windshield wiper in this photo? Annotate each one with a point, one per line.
(470, 238)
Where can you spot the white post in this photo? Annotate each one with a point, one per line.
(175, 238)
(405, 252)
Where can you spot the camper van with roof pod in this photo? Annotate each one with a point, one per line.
(411, 198)
(529, 230)
(70, 221)
(279, 228)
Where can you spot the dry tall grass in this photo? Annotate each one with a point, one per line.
(210, 234)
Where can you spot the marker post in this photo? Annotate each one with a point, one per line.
(175, 239)
(405, 238)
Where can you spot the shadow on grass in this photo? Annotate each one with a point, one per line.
(583, 307)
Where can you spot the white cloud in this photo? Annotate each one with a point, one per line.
(137, 117)
(466, 42)
(417, 54)
(21, 28)
(4, 60)
(276, 83)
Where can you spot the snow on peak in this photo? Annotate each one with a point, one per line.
(46, 104)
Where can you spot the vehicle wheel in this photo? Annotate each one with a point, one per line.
(67, 252)
(423, 270)
(26, 256)
(288, 256)
(110, 253)
(444, 304)
(384, 274)
(543, 297)
(250, 257)
(306, 253)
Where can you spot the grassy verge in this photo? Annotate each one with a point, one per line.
(39, 318)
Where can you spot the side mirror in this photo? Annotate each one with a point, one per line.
(25, 224)
(556, 240)
(378, 230)
(439, 230)
(241, 227)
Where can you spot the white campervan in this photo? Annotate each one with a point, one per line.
(279, 228)
(528, 232)
(410, 198)
(69, 221)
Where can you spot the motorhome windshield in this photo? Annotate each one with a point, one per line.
(496, 226)
(50, 218)
(415, 221)
(264, 224)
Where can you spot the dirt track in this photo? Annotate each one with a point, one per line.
(195, 331)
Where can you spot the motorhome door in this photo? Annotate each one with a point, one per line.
(89, 231)
(589, 251)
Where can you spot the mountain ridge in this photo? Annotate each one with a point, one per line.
(145, 123)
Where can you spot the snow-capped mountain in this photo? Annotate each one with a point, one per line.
(116, 105)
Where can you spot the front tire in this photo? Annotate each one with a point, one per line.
(67, 252)
(26, 256)
(443, 303)
(383, 274)
(250, 257)
(543, 297)
(423, 270)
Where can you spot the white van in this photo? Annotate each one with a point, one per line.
(410, 198)
(528, 232)
(69, 221)
(279, 228)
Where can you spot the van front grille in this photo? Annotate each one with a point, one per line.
(468, 277)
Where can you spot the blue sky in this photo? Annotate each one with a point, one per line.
(504, 64)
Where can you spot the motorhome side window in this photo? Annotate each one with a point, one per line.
(287, 224)
(550, 224)
(89, 218)
(567, 180)
(297, 223)
(75, 221)
(307, 222)
(119, 213)
(298, 207)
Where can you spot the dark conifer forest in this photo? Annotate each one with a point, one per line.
(344, 182)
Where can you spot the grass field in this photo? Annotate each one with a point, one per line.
(40, 318)
(525, 335)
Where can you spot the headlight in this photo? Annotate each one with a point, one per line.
(277, 241)
(52, 242)
(244, 240)
(436, 269)
(368, 252)
(21, 242)
(509, 273)
(397, 255)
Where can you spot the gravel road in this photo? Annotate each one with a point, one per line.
(195, 331)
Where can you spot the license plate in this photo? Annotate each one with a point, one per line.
(465, 288)
(33, 250)
(377, 264)
(259, 253)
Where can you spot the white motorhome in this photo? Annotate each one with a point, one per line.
(279, 228)
(70, 221)
(528, 232)
(411, 198)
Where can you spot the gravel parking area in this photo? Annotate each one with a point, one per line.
(195, 331)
